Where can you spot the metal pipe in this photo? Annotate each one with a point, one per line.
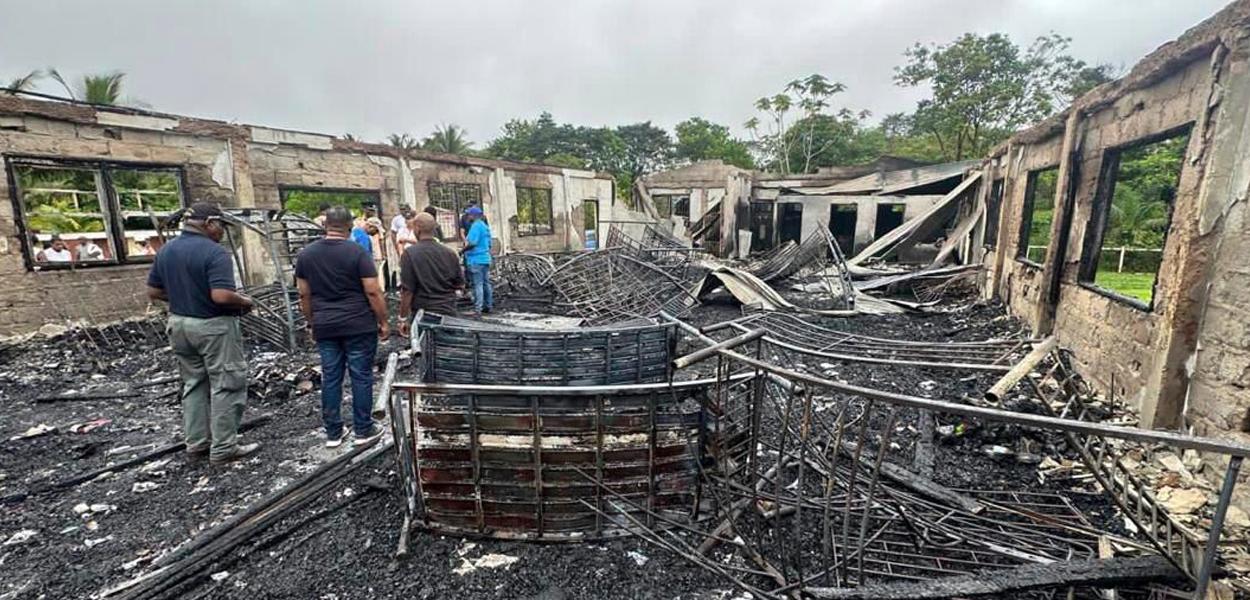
(1217, 525)
(706, 352)
(1021, 369)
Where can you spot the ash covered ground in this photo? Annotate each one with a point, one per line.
(94, 535)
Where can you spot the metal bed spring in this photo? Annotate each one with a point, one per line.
(509, 461)
(456, 352)
(607, 286)
(795, 333)
(1061, 386)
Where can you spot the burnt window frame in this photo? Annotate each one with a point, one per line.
(670, 203)
(993, 212)
(458, 201)
(1026, 215)
(1100, 213)
(110, 206)
(538, 228)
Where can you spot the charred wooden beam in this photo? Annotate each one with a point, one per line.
(1097, 573)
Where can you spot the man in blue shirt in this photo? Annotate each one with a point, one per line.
(195, 275)
(361, 235)
(476, 253)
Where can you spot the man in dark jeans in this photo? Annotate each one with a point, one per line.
(430, 275)
(341, 297)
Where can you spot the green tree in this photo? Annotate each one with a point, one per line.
(25, 83)
(448, 139)
(104, 88)
(833, 140)
(1145, 186)
(647, 148)
(700, 139)
(984, 87)
(402, 141)
(794, 143)
(1088, 78)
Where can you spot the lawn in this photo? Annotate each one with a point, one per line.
(1133, 285)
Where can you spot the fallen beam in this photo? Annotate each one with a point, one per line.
(1097, 573)
(103, 395)
(1021, 370)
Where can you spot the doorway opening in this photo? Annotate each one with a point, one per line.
(590, 224)
(889, 217)
(842, 220)
(761, 226)
(791, 222)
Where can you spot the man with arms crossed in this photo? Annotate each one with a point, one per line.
(195, 275)
(341, 298)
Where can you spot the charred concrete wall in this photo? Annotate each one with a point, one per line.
(1184, 358)
(242, 166)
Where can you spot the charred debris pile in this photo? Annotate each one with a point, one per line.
(680, 425)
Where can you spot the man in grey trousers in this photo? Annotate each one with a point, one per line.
(195, 274)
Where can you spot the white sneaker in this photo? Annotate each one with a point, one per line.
(374, 433)
(338, 441)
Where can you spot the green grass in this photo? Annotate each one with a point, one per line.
(1132, 285)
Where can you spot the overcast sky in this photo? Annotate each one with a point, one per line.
(372, 67)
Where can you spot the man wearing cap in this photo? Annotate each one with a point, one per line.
(476, 254)
(195, 275)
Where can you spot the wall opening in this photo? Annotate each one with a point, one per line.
(85, 214)
(791, 222)
(1129, 221)
(590, 223)
(533, 211)
(450, 200)
(1039, 211)
(889, 217)
(310, 201)
(761, 226)
(842, 221)
(993, 209)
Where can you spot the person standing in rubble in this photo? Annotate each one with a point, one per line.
(195, 275)
(429, 273)
(476, 254)
(341, 298)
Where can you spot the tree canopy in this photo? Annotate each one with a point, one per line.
(983, 87)
(700, 139)
(448, 139)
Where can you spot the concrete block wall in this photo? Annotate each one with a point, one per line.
(244, 166)
(1184, 361)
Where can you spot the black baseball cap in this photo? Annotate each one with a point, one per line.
(202, 211)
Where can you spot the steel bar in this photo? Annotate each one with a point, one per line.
(706, 352)
(1217, 527)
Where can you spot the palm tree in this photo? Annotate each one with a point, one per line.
(402, 141)
(105, 88)
(24, 83)
(448, 139)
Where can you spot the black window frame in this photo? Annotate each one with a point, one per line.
(1100, 212)
(1026, 215)
(461, 196)
(670, 202)
(536, 227)
(993, 212)
(110, 206)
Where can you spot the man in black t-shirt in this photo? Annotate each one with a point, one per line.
(341, 298)
(429, 273)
